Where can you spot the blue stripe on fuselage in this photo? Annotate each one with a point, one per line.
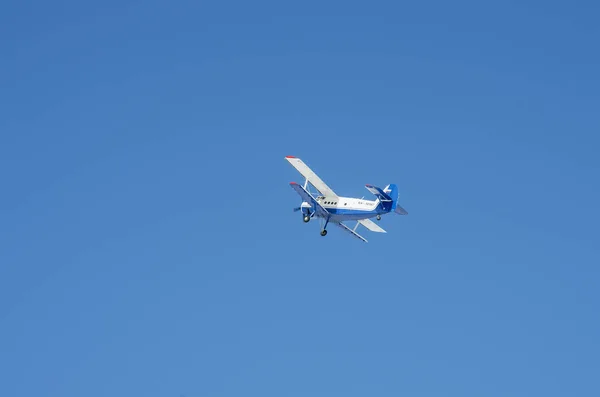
(353, 214)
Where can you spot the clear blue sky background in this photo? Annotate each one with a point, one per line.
(147, 241)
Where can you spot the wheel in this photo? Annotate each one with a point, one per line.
(306, 218)
(323, 232)
(378, 217)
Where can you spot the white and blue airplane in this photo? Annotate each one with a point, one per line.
(331, 208)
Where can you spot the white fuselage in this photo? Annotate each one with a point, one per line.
(347, 203)
(348, 208)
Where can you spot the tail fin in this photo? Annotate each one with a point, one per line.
(388, 197)
(393, 193)
(395, 198)
(379, 193)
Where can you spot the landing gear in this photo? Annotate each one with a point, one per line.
(324, 231)
(378, 217)
(306, 218)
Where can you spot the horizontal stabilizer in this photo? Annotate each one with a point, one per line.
(352, 232)
(377, 191)
(401, 211)
(372, 226)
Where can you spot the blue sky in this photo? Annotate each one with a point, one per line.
(148, 244)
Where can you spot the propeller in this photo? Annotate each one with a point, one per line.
(297, 209)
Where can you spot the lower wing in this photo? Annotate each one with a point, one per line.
(401, 211)
(372, 226)
(352, 232)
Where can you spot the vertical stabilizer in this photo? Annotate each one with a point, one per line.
(393, 193)
(388, 196)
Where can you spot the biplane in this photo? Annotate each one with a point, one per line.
(329, 207)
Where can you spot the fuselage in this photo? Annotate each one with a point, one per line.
(349, 208)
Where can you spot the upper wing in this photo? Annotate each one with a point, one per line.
(311, 176)
(372, 226)
(352, 232)
(306, 196)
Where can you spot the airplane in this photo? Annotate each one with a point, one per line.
(329, 207)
